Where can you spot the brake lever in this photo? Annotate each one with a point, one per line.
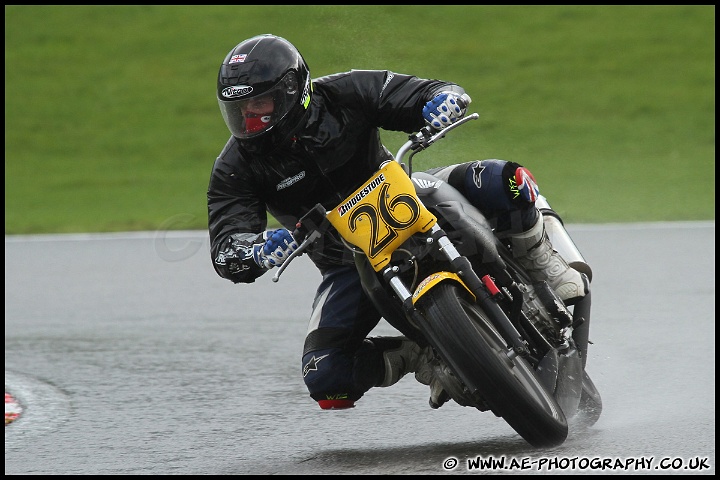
(314, 235)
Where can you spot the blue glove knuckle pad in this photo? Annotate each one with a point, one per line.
(443, 110)
(278, 245)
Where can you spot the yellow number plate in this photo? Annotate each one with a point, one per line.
(382, 214)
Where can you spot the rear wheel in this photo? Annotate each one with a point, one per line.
(465, 338)
(590, 406)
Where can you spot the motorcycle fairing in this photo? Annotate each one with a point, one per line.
(471, 233)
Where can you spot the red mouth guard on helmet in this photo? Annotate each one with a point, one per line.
(256, 123)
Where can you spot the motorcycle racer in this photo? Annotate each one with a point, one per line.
(296, 142)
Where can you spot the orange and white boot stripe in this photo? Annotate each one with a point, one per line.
(12, 409)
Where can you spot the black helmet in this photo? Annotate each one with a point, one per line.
(264, 90)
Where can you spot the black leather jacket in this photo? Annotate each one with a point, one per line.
(338, 148)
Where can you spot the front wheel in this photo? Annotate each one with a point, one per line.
(465, 338)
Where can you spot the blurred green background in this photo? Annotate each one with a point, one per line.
(111, 122)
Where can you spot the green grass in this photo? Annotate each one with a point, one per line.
(111, 121)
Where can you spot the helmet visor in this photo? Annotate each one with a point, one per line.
(252, 116)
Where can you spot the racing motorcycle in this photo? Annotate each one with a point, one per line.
(434, 269)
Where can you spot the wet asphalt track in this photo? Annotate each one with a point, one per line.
(130, 356)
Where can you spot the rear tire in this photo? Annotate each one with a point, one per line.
(590, 407)
(465, 338)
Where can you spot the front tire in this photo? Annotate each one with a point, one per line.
(466, 339)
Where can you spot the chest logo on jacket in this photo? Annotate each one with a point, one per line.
(290, 181)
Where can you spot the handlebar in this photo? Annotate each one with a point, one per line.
(425, 137)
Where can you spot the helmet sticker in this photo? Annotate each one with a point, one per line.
(236, 91)
(238, 58)
(305, 98)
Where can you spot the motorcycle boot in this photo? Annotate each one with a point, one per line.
(438, 395)
(402, 356)
(534, 252)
